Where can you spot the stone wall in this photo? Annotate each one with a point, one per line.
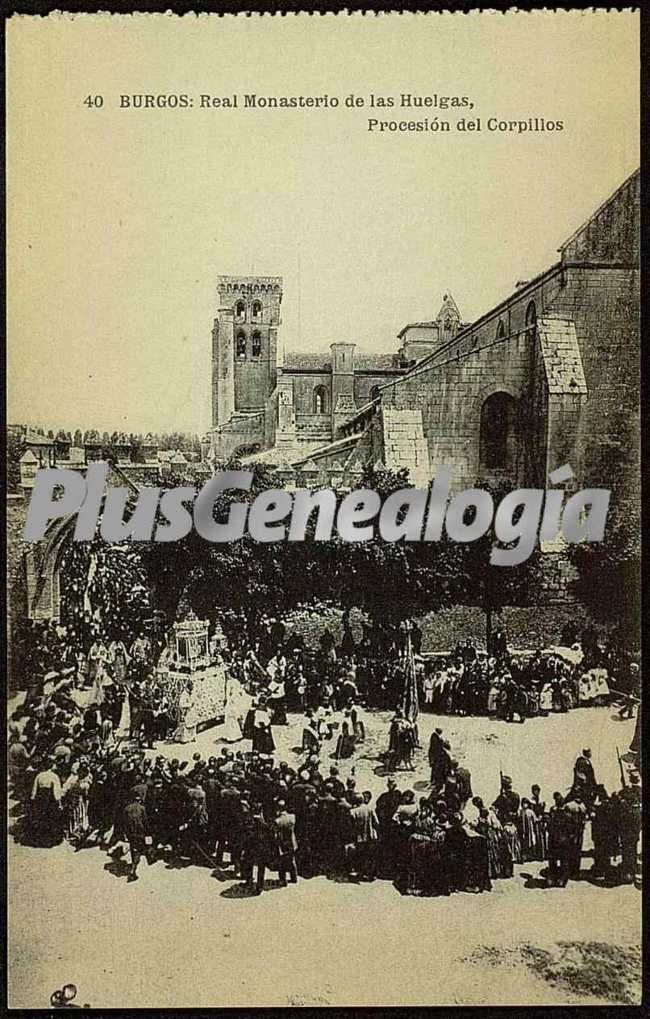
(612, 233)
(304, 384)
(242, 430)
(253, 381)
(311, 426)
(451, 393)
(603, 303)
(527, 628)
(365, 382)
(450, 389)
(16, 584)
(404, 445)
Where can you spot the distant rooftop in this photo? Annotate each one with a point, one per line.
(416, 325)
(315, 360)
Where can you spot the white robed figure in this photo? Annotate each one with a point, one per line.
(123, 730)
(600, 685)
(546, 697)
(97, 670)
(118, 660)
(238, 703)
(586, 688)
(188, 718)
(97, 662)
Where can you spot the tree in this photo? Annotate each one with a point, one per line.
(15, 449)
(608, 580)
(104, 586)
(389, 581)
(243, 573)
(492, 587)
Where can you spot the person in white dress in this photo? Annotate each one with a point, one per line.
(428, 686)
(585, 688)
(124, 725)
(97, 658)
(546, 698)
(118, 660)
(187, 720)
(601, 686)
(237, 704)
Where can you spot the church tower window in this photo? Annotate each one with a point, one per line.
(531, 319)
(241, 346)
(256, 312)
(240, 311)
(320, 400)
(256, 344)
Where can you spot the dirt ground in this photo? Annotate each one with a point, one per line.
(187, 936)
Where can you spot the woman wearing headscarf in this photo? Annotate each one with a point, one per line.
(45, 820)
(488, 825)
(75, 797)
(263, 742)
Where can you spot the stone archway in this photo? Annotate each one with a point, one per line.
(498, 441)
(42, 568)
(43, 559)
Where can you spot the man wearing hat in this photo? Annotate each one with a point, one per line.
(363, 836)
(387, 804)
(462, 783)
(506, 807)
(584, 778)
(629, 799)
(633, 692)
(438, 761)
(311, 740)
(284, 825)
(260, 849)
(136, 830)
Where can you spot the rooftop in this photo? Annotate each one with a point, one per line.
(601, 208)
(296, 360)
(416, 325)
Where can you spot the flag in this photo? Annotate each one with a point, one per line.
(409, 701)
(92, 569)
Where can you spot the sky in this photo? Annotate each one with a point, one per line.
(120, 220)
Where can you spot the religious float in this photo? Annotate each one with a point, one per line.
(190, 656)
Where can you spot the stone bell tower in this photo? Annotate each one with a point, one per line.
(342, 383)
(244, 345)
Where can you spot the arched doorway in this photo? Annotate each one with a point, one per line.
(498, 437)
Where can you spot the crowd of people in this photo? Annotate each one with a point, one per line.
(501, 683)
(515, 686)
(305, 820)
(79, 772)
